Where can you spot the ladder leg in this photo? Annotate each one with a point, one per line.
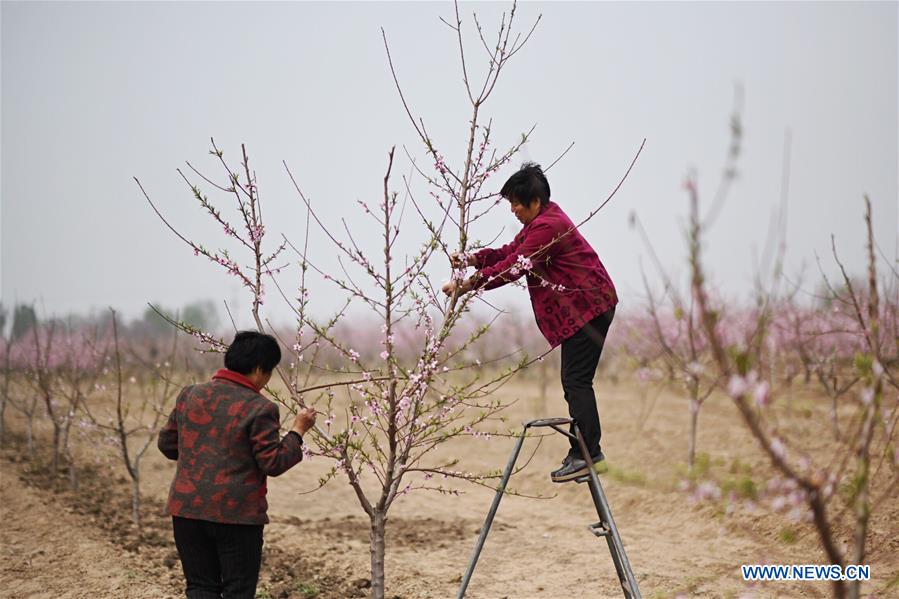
(613, 550)
(500, 491)
(615, 542)
(622, 577)
(616, 547)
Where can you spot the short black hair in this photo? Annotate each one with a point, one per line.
(251, 350)
(525, 185)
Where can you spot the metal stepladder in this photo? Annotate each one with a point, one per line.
(604, 528)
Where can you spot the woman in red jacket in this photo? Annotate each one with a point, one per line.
(572, 295)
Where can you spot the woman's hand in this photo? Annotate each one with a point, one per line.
(464, 287)
(461, 260)
(303, 421)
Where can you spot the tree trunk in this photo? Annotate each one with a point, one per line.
(30, 435)
(2, 416)
(56, 441)
(378, 525)
(7, 374)
(833, 417)
(694, 422)
(694, 425)
(862, 504)
(135, 500)
(73, 474)
(70, 459)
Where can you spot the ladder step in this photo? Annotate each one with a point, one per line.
(548, 422)
(599, 467)
(599, 529)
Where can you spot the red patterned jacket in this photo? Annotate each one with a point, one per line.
(568, 284)
(225, 437)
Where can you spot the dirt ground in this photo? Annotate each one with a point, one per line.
(47, 552)
(57, 545)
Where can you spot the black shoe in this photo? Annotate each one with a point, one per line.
(573, 468)
(565, 463)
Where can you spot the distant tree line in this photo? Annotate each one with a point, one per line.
(20, 319)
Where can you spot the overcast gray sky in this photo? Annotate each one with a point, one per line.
(96, 93)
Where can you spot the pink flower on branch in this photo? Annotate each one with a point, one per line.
(762, 394)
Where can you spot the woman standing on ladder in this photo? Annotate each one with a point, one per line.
(572, 295)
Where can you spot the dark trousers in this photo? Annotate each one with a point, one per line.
(220, 561)
(580, 355)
